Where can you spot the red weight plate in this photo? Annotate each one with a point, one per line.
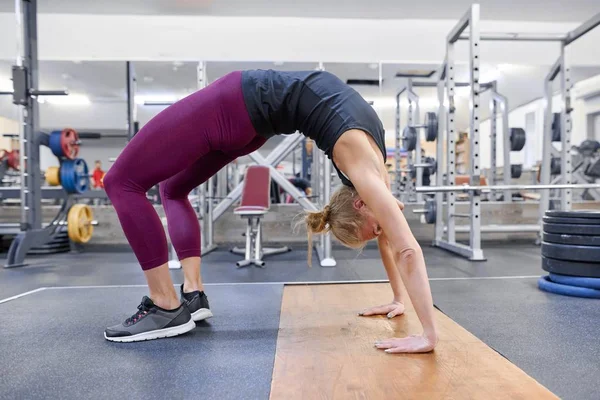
(69, 141)
(13, 159)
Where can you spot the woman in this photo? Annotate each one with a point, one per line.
(234, 116)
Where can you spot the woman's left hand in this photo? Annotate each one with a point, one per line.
(410, 344)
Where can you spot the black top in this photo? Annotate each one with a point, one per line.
(316, 103)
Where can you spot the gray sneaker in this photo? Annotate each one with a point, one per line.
(197, 303)
(151, 322)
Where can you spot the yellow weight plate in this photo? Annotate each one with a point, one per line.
(53, 176)
(79, 223)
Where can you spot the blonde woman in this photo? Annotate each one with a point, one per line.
(235, 116)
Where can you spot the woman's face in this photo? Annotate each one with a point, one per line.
(370, 228)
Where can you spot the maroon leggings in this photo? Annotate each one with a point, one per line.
(180, 148)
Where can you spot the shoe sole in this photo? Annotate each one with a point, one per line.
(201, 314)
(157, 334)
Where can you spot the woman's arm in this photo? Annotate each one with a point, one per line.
(355, 156)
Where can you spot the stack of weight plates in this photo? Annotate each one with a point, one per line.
(571, 253)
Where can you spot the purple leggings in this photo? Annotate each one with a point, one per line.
(180, 148)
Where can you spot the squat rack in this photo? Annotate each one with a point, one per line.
(25, 95)
(446, 75)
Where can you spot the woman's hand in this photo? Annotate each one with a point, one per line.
(410, 344)
(391, 310)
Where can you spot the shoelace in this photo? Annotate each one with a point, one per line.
(142, 311)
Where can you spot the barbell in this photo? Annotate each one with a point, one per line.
(474, 188)
(429, 168)
(410, 136)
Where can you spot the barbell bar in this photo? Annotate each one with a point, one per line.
(469, 188)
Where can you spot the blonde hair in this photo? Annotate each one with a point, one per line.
(338, 217)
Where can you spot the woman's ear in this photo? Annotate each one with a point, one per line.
(358, 204)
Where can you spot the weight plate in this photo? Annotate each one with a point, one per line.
(517, 139)
(545, 284)
(572, 229)
(516, 170)
(431, 126)
(590, 283)
(555, 166)
(594, 214)
(571, 239)
(69, 141)
(79, 223)
(571, 221)
(556, 127)
(409, 138)
(74, 176)
(14, 161)
(54, 143)
(573, 268)
(571, 252)
(65, 143)
(431, 213)
(53, 176)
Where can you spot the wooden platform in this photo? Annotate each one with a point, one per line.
(325, 351)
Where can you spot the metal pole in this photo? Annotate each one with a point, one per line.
(565, 131)
(582, 29)
(493, 144)
(416, 117)
(131, 111)
(450, 142)
(547, 141)
(327, 260)
(475, 234)
(409, 154)
(477, 188)
(503, 102)
(439, 197)
(397, 173)
(30, 159)
(524, 37)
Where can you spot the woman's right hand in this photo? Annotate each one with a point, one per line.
(391, 310)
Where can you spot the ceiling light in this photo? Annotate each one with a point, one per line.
(141, 100)
(148, 79)
(278, 63)
(373, 65)
(70, 100)
(65, 76)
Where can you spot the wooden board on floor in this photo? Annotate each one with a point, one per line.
(325, 351)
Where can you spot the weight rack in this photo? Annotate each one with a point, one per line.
(447, 225)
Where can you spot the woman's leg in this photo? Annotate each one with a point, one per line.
(182, 221)
(212, 119)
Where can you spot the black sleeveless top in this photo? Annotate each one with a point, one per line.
(316, 103)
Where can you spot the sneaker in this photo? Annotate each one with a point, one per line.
(197, 303)
(151, 322)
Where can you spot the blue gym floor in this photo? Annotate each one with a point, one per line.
(52, 344)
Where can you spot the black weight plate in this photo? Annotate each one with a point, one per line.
(589, 270)
(409, 138)
(571, 239)
(571, 252)
(571, 221)
(517, 139)
(556, 125)
(431, 123)
(572, 229)
(574, 214)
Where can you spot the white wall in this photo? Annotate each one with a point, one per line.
(112, 37)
